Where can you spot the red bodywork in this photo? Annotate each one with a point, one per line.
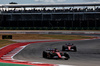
(59, 55)
(69, 47)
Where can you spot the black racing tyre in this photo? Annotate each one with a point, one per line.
(44, 54)
(63, 48)
(67, 56)
(75, 49)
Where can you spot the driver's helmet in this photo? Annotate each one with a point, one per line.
(55, 49)
(68, 43)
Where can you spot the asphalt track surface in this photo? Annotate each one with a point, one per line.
(88, 53)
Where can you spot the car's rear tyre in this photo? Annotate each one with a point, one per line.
(63, 48)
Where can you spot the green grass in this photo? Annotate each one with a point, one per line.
(8, 64)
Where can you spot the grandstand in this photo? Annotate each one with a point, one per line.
(50, 15)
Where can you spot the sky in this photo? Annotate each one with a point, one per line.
(47, 1)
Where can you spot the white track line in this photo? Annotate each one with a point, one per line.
(66, 65)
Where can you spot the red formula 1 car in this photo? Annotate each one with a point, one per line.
(69, 47)
(55, 54)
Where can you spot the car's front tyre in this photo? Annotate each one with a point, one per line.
(67, 56)
(44, 54)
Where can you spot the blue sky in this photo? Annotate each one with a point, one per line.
(47, 1)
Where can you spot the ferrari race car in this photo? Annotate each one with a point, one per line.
(55, 54)
(69, 47)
